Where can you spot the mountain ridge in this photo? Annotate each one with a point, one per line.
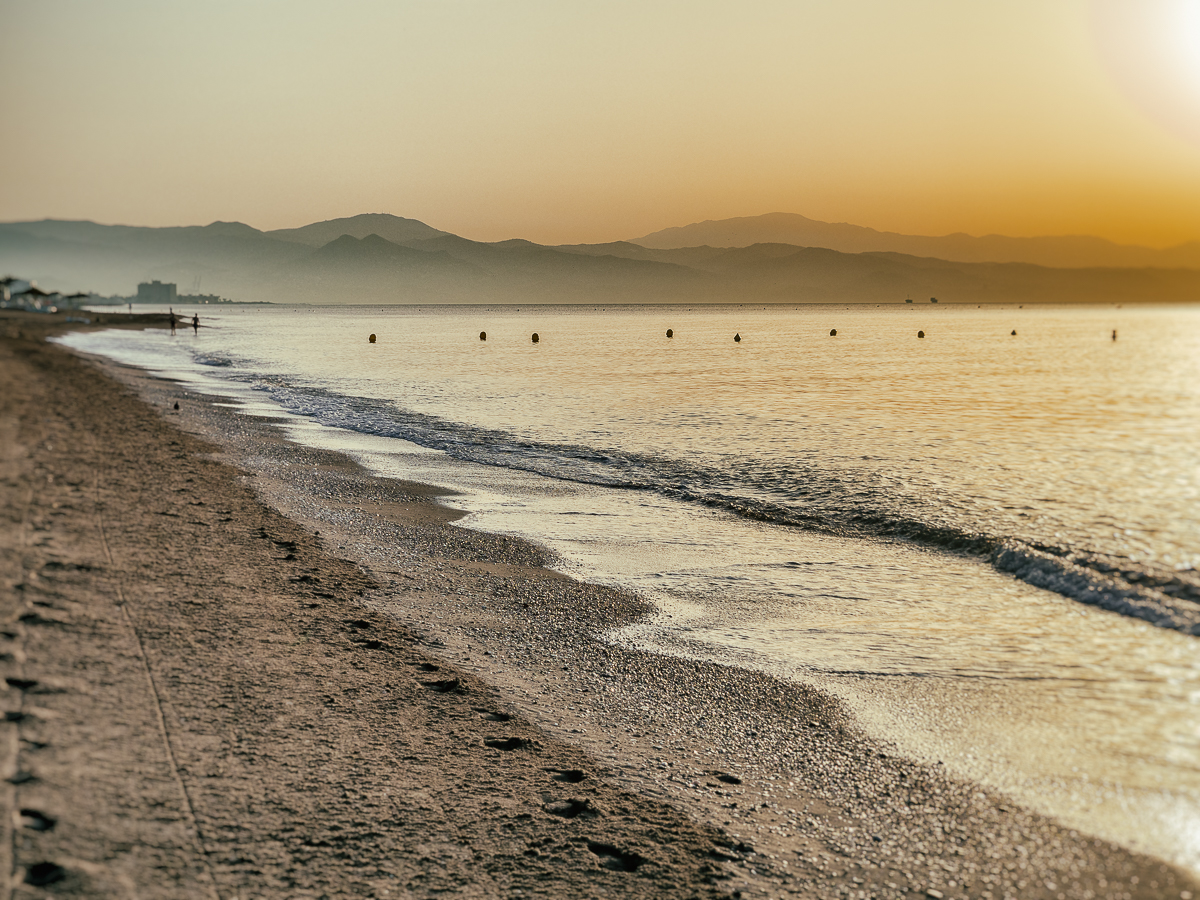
(426, 265)
(1062, 251)
(396, 229)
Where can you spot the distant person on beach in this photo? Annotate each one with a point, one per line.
(172, 315)
(196, 323)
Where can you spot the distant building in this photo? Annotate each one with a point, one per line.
(157, 292)
(29, 297)
(10, 286)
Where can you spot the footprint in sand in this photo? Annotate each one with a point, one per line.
(614, 858)
(447, 686)
(32, 618)
(570, 776)
(36, 820)
(44, 873)
(493, 716)
(512, 743)
(571, 809)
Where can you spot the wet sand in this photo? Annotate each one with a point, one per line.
(241, 667)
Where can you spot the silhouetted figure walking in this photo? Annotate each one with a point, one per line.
(196, 324)
(172, 315)
(1114, 334)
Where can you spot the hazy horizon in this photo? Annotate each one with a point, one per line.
(583, 125)
(677, 226)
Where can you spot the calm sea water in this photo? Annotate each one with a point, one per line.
(987, 543)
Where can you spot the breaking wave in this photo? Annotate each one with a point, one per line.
(800, 494)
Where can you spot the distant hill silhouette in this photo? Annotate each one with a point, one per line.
(371, 249)
(390, 228)
(371, 269)
(420, 264)
(790, 228)
(112, 259)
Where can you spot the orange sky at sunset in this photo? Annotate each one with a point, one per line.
(592, 122)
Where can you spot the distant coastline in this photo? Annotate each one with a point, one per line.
(384, 259)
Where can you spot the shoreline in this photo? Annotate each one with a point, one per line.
(771, 785)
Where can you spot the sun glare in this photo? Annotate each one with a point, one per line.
(1187, 41)
(1152, 50)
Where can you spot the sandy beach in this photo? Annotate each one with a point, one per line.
(218, 687)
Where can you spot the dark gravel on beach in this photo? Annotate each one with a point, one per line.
(353, 696)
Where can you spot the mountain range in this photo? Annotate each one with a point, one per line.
(381, 258)
(1069, 251)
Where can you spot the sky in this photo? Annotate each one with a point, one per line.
(570, 122)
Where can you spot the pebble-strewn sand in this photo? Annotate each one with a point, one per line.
(207, 698)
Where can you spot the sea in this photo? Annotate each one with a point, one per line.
(977, 526)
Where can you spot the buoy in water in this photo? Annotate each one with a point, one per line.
(371, 339)
(483, 335)
(535, 337)
(920, 334)
(737, 338)
(670, 333)
(833, 332)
